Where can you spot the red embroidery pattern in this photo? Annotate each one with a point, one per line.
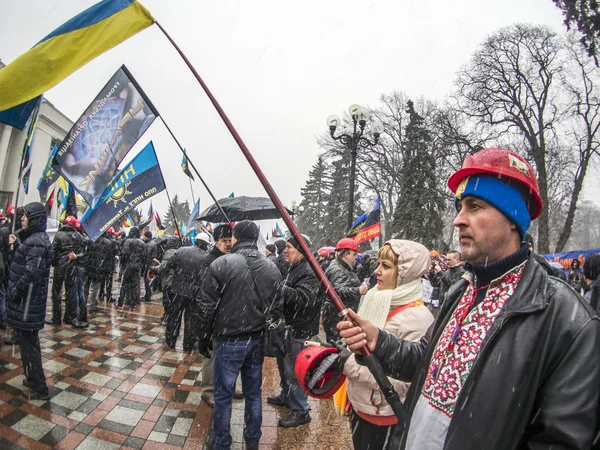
(459, 344)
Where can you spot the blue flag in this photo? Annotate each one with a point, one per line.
(139, 180)
(49, 175)
(191, 225)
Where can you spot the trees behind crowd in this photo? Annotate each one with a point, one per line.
(526, 88)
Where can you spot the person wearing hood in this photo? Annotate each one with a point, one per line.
(66, 242)
(237, 292)
(575, 275)
(133, 258)
(27, 296)
(186, 284)
(301, 310)
(395, 306)
(512, 360)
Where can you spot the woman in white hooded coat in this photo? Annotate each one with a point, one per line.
(395, 306)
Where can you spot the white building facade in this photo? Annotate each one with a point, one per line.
(52, 127)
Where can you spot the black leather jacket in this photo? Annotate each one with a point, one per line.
(301, 303)
(66, 240)
(237, 291)
(534, 383)
(345, 282)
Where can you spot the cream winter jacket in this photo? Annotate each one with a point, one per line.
(363, 391)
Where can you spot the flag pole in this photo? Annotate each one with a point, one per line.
(370, 360)
(194, 167)
(192, 189)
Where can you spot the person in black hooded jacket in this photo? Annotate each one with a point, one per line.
(27, 295)
(133, 259)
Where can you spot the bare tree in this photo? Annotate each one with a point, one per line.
(521, 84)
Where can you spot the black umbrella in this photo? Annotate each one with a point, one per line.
(242, 208)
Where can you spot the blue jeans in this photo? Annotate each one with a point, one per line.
(291, 391)
(231, 359)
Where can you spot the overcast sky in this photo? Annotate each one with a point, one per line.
(277, 68)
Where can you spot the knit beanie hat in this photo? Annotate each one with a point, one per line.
(292, 240)
(271, 248)
(280, 244)
(502, 193)
(222, 232)
(245, 231)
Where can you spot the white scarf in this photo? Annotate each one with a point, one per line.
(378, 303)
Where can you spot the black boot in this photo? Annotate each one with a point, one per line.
(276, 400)
(294, 419)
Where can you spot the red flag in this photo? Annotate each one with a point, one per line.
(50, 201)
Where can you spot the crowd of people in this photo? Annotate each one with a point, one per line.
(503, 352)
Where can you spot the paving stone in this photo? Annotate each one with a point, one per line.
(33, 426)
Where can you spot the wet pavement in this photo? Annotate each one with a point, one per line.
(117, 385)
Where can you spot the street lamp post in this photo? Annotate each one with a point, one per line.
(360, 117)
(295, 209)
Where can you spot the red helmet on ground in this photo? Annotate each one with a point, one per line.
(71, 221)
(10, 211)
(498, 161)
(317, 373)
(347, 244)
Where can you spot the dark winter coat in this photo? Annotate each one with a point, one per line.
(133, 254)
(99, 259)
(282, 265)
(301, 301)
(237, 291)
(534, 383)
(272, 258)
(448, 277)
(164, 269)
(4, 252)
(66, 240)
(187, 272)
(345, 282)
(151, 253)
(30, 273)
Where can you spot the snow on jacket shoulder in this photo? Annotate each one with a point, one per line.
(237, 291)
(363, 391)
(187, 272)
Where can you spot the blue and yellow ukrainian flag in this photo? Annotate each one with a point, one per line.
(69, 47)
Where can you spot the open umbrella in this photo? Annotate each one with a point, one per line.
(242, 208)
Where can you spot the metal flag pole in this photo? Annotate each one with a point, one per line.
(370, 360)
(194, 167)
